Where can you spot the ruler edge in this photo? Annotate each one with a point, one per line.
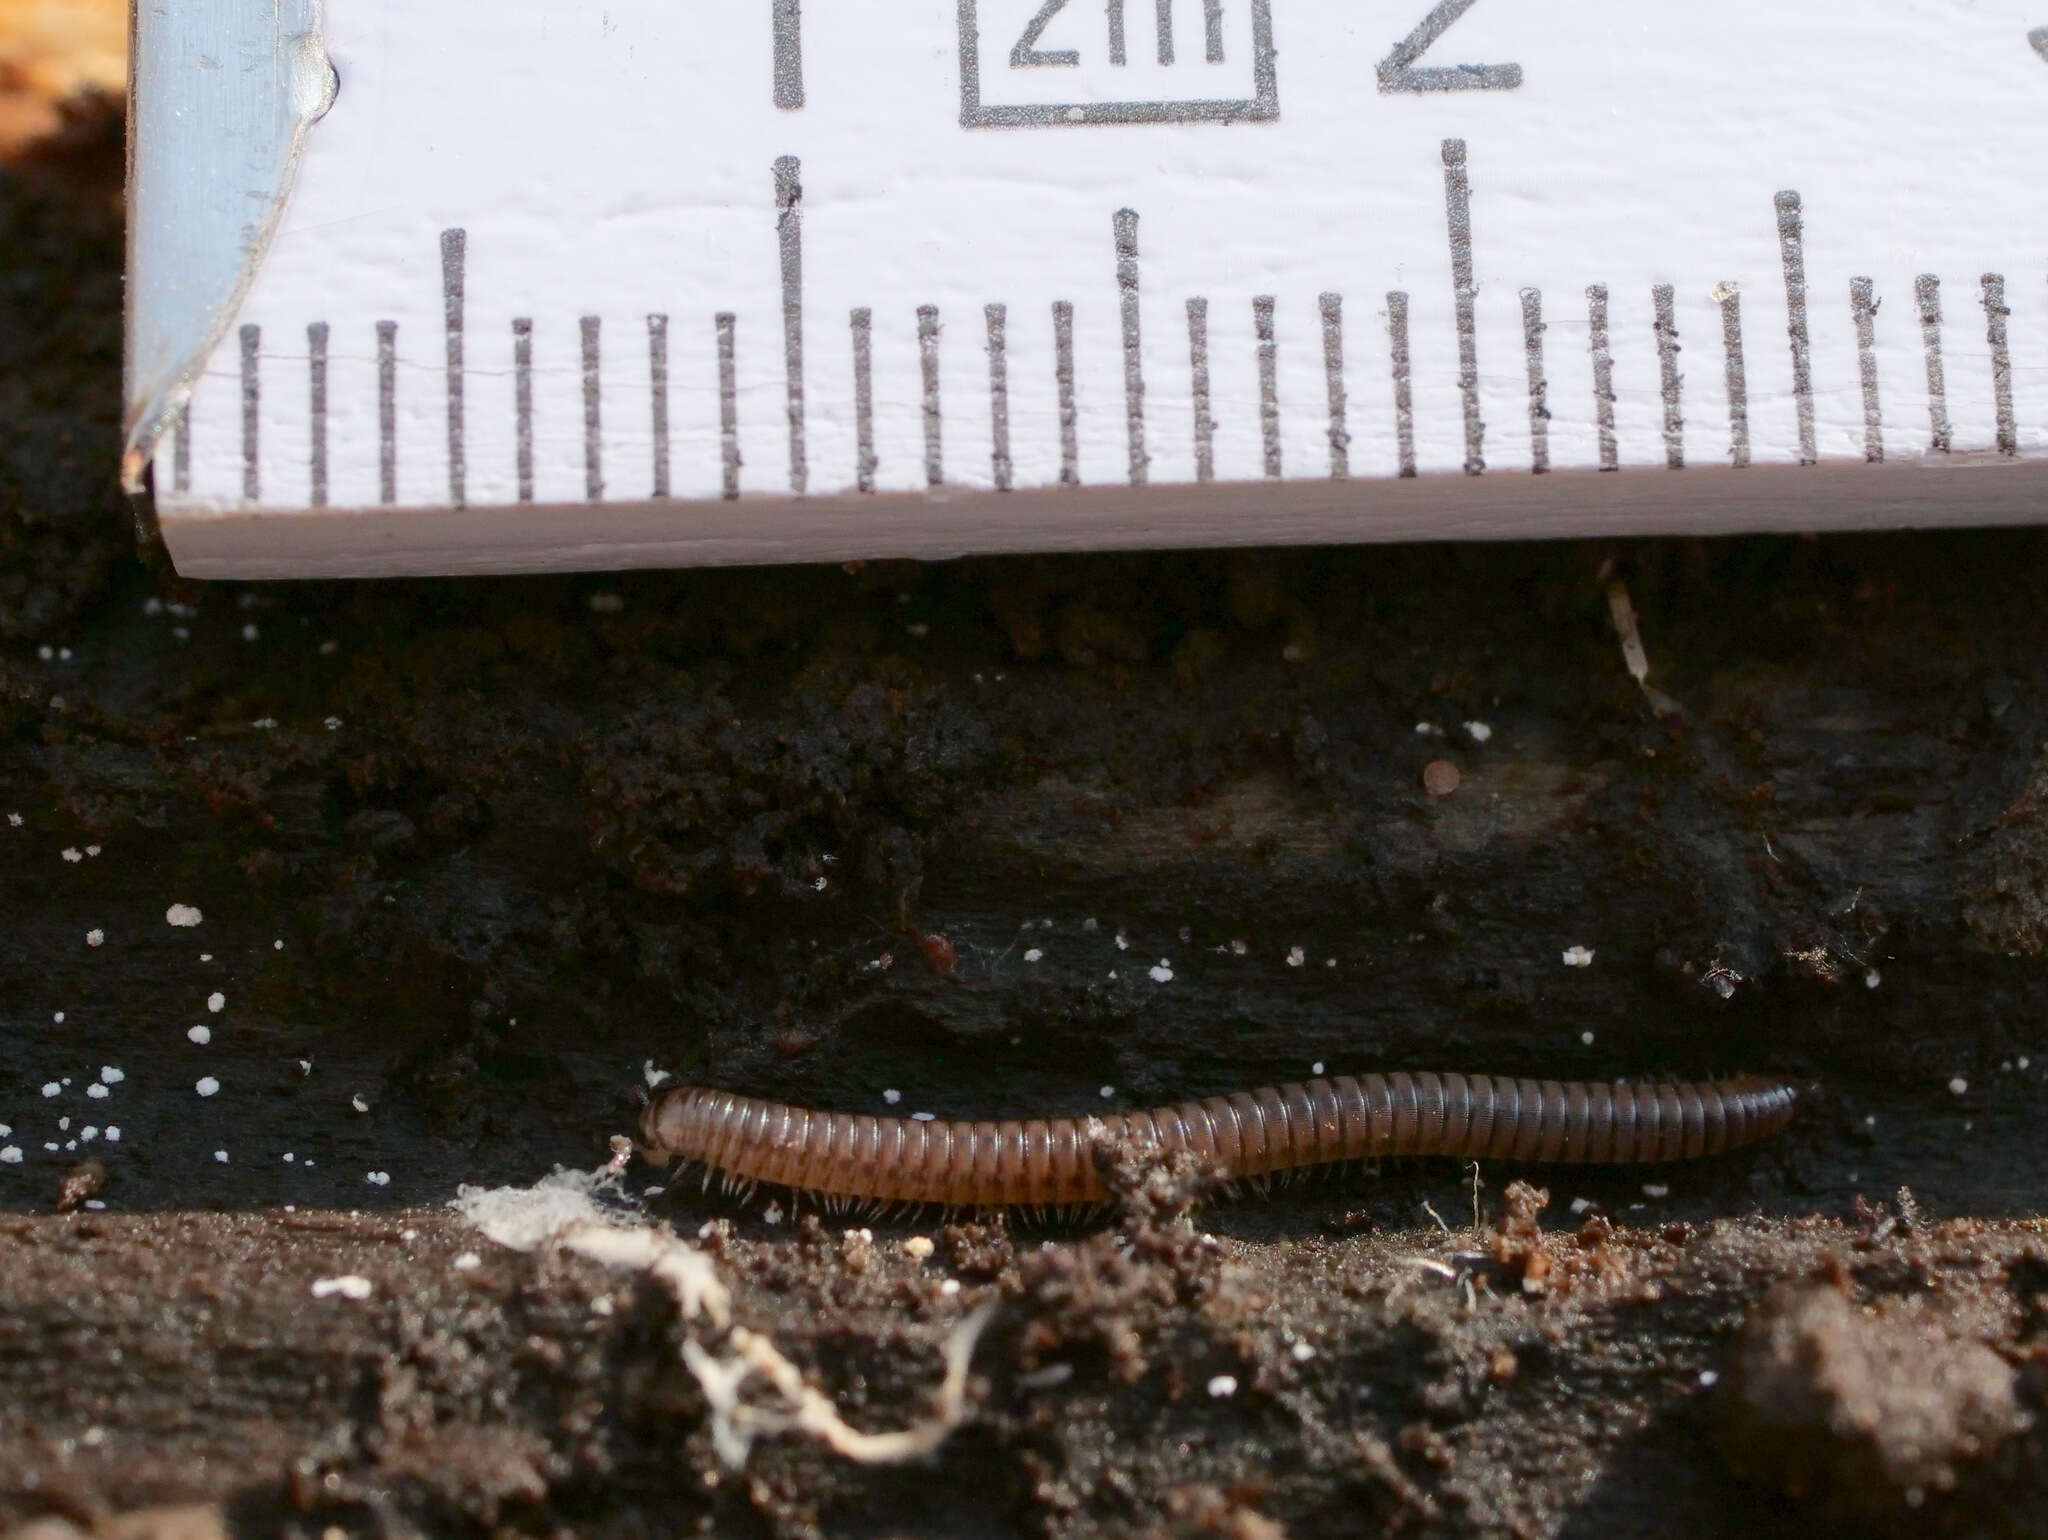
(438, 541)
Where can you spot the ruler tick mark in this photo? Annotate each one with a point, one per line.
(1663, 300)
(593, 432)
(1863, 309)
(789, 234)
(1927, 292)
(1458, 212)
(1995, 313)
(726, 324)
(1729, 297)
(252, 340)
(999, 395)
(1792, 252)
(1212, 31)
(1539, 389)
(1332, 307)
(1198, 370)
(1603, 375)
(181, 449)
(862, 322)
(316, 404)
(1269, 383)
(928, 363)
(787, 20)
(1063, 378)
(1134, 358)
(387, 411)
(454, 252)
(657, 389)
(522, 404)
(1404, 394)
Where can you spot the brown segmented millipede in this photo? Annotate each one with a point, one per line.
(1250, 1134)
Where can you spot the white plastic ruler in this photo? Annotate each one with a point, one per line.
(640, 282)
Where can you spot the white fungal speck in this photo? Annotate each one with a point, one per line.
(1959, 1085)
(2022, 1061)
(1578, 957)
(95, 937)
(277, 945)
(1480, 731)
(50, 1145)
(1223, 1385)
(1090, 925)
(378, 1178)
(348, 1286)
(1033, 955)
(92, 850)
(1107, 1092)
(88, 1133)
(14, 820)
(113, 1133)
(1586, 1038)
(200, 1035)
(1123, 942)
(1872, 979)
(111, 1075)
(333, 724)
(10, 1154)
(1427, 729)
(221, 1156)
(1296, 956)
(96, 1091)
(1316, 1068)
(1656, 1190)
(216, 1000)
(466, 1261)
(206, 1085)
(1301, 1352)
(1161, 972)
(51, 1088)
(5, 1130)
(918, 1248)
(58, 1017)
(182, 915)
(1709, 1378)
(892, 1096)
(72, 854)
(206, 957)
(1239, 948)
(772, 1214)
(923, 1117)
(1580, 1205)
(250, 632)
(264, 724)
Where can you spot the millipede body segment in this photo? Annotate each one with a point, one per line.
(1249, 1134)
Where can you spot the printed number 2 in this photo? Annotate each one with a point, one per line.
(1026, 54)
(1398, 72)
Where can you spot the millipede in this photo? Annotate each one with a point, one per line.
(1248, 1135)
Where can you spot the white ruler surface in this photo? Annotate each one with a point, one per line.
(660, 281)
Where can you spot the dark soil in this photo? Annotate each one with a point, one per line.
(473, 856)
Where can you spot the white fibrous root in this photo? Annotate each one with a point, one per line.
(560, 1212)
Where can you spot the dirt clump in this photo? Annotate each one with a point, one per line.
(1879, 1415)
